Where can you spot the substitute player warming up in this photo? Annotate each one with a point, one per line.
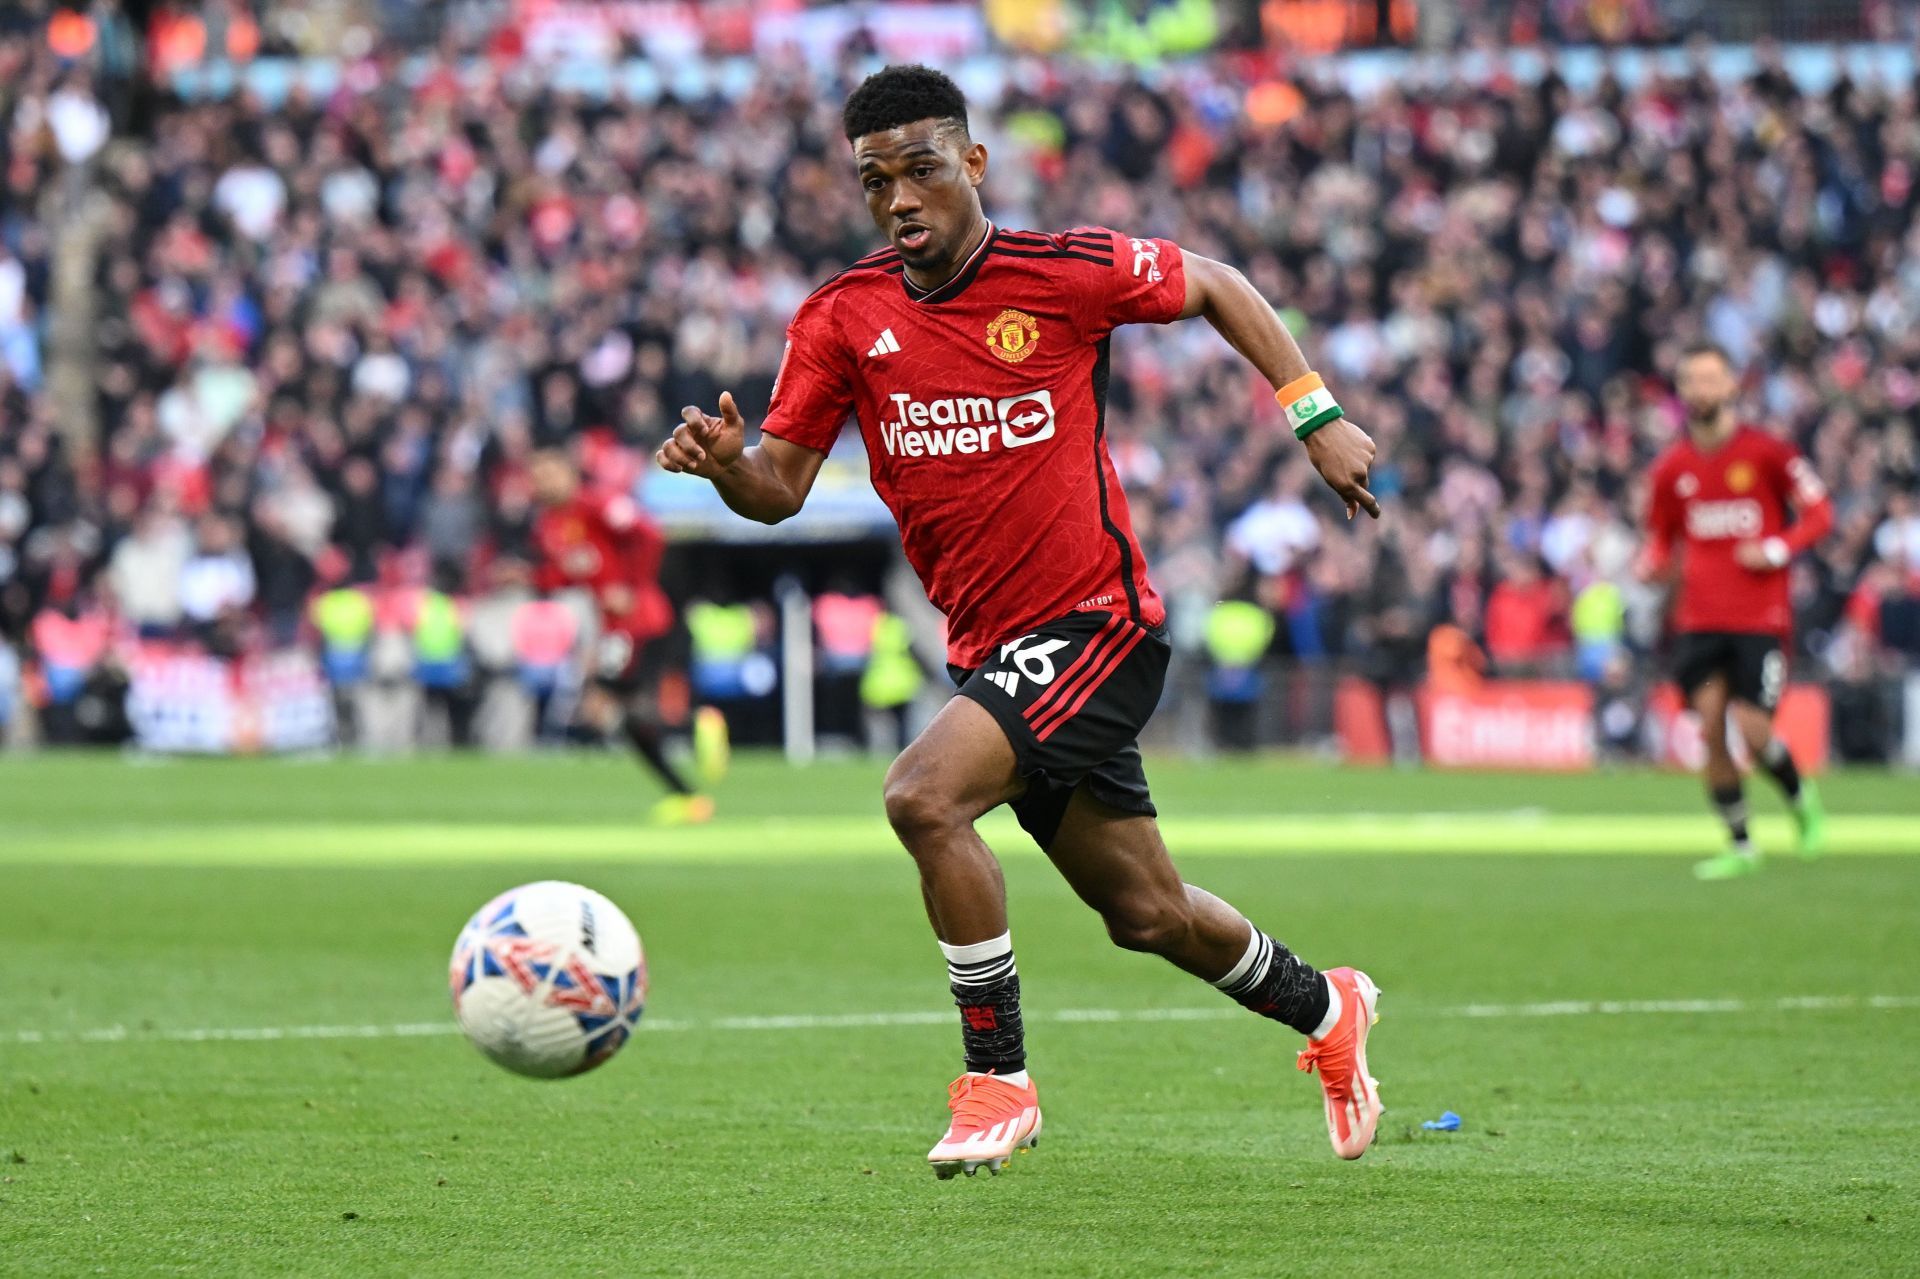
(1724, 492)
(975, 361)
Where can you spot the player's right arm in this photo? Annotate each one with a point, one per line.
(768, 482)
(812, 399)
(1663, 526)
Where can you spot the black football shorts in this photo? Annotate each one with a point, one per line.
(625, 665)
(1072, 697)
(1755, 665)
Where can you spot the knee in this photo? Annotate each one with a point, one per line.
(1151, 925)
(917, 809)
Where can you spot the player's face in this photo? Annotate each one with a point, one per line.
(1705, 384)
(553, 480)
(920, 182)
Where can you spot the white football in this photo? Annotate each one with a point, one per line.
(548, 979)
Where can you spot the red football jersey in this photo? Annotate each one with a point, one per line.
(983, 407)
(1714, 501)
(600, 541)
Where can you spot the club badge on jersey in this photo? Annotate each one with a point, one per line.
(1013, 335)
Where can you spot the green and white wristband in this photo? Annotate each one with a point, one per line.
(1308, 405)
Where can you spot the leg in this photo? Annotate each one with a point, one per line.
(1768, 752)
(463, 704)
(1710, 700)
(1118, 864)
(643, 732)
(1760, 679)
(956, 770)
(543, 695)
(959, 768)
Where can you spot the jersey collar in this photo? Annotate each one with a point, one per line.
(962, 278)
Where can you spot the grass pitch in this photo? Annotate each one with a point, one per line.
(225, 1044)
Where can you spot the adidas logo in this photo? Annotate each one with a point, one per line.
(886, 345)
(1005, 681)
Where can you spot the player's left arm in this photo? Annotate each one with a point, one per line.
(1339, 450)
(1803, 491)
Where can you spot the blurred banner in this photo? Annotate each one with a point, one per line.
(182, 702)
(936, 33)
(1546, 725)
(1624, 22)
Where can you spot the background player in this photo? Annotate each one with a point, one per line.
(975, 360)
(604, 543)
(1724, 491)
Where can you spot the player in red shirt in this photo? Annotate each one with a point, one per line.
(1724, 493)
(604, 544)
(974, 360)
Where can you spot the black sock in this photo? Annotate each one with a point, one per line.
(646, 739)
(1778, 763)
(1276, 983)
(986, 990)
(1732, 804)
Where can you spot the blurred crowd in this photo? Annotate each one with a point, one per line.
(327, 334)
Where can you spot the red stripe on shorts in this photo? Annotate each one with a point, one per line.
(1107, 668)
(1088, 659)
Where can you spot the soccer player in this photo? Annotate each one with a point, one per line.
(605, 544)
(1725, 491)
(975, 360)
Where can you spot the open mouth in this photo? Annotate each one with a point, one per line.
(913, 236)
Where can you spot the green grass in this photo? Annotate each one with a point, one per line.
(141, 904)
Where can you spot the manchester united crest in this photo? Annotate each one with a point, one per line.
(1012, 335)
(1740, 476)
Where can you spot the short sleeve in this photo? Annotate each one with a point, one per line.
(812, 394)
(1145, 282)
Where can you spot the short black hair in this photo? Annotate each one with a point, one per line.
(894, 96)
(1706, 346)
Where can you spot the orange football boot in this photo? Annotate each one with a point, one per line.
(991, 1119)
(1353, 1095)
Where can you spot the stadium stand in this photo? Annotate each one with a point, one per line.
(315, 338)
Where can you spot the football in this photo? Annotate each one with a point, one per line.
(548, 979)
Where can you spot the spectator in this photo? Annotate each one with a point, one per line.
(146, 571)
(451, 521)
(1275, 532)
(285, 577)
(1897, 540)
(216, 584)
(1525, 618)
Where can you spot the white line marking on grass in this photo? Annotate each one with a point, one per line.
(857, 1021)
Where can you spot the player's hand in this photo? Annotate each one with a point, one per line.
(617, 599)
(1343, 454)
(1754, 557)
(704, 445)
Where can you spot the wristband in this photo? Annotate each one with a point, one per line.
(1308, 404)
(1775, 549)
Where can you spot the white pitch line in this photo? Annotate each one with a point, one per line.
(859, 1021)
